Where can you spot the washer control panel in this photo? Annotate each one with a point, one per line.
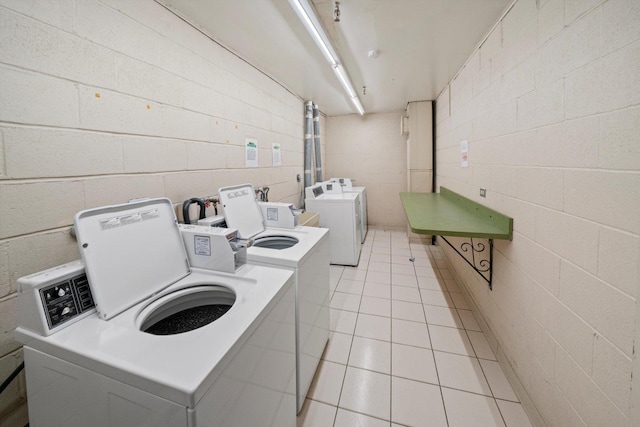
(55, 298)
(65, 300)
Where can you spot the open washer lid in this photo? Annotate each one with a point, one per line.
(130, 252)
(241, 210)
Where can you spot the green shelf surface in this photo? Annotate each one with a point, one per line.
(450, 214)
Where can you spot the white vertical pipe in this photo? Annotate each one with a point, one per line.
(316, 138)
(308, 146)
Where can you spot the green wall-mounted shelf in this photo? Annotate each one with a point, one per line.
(449, 214)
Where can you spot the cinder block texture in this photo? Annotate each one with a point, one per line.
(618, 143)
(56, 153)
(574, 47)
(621, 18)
(31, 207)
(36, 252)
(550, 20)
(618, 254)
(3, 164)
(605, 197)
(586, 397)
(611, 372)
(8, 322)
(29, 98)
(587, 93)
(571, 238)
(554, 138)
(4, 270)
(42, 48)
(605, 308)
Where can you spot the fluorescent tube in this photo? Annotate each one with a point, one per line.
(344, 79)
(356, 102)
(305, 12)
(315, 32)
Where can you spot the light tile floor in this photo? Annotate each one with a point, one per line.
(405, 350)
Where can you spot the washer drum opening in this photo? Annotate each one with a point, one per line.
(275, 242)
(186, 310)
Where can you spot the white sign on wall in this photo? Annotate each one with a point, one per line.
(464, 153)
(251, 153)
(277, 157)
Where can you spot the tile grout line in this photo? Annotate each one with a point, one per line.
(426, 322)
(444, 406)
(492, 397)
(335, 417)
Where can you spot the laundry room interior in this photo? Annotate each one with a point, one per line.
(403, 212)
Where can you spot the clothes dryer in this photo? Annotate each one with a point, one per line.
(340, 213)
(133, 336)
(302, 250)
(348, 187)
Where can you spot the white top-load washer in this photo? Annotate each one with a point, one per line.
(303, 250)
(340, 213)
(347, 187)
(134, 336)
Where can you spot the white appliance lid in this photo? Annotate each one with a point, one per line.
(130, 252)
(241, 210)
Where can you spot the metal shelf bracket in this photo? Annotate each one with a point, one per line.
(468, 251)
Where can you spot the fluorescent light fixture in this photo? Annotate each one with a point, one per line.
(305, 12)
(356, 102)
(314, 28)
(344, 79)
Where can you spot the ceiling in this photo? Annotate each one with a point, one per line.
(420, 44)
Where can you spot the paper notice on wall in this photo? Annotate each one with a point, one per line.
(277, 158)
(464, 153)
(251, 153)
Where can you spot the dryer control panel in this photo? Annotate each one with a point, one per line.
(65, 300)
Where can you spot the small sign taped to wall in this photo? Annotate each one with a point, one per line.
(276, 154)
(464, 153)
(251, 153)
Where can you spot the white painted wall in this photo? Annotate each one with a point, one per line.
(102, 102)
(370, 150)
(550, 105)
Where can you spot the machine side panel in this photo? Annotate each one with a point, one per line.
(63, 394)
(313, 316)
(258, 386)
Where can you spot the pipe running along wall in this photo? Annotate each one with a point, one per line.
(316, 138)
(308, 147)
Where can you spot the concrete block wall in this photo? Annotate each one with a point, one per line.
(371, 150)
(550, 105)
(105, 101)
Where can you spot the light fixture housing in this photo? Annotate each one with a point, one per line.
(307, 15)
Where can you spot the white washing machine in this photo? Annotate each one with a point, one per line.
(340, 213)
(303, 250)
(142, 339)
(348, 187)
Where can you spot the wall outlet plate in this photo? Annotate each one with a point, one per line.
(483, 192)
